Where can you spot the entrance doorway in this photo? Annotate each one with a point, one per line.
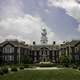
(44, 54)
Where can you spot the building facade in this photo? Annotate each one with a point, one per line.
(14, 51)
(71, 49)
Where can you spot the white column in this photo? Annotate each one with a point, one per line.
(35, 54)
(66, 51)
(40, 55)
(48, 52)
(53, 58)
(18, 50)
(35, 59)
(52, 53)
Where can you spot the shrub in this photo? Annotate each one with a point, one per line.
(21, 67)
(14, 68)
(26, 65)
(1, 72)
(74, 66)
(60, 66)
(79, 68)
(5, 69)
(27, 59)
(65, 65)
(46, 65)
(65, 60)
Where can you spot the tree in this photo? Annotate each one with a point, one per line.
(65, 60)
(27, 59)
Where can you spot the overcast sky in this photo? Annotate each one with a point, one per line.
(23, 19)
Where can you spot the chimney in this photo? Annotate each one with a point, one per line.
(34, 43)
(54, 42)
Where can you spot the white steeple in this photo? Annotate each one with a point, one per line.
(44, 38)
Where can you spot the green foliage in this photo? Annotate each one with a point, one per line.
(74, 66)
(5, 69)
(26, 65)
(45, 65)
(1, 72)
(65, 60)
(79, 68)
(14, 68)
(27, 59)
(61, 74)
(21, 67)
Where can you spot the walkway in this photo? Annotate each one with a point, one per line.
(42, 68)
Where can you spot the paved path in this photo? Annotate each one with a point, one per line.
(42, 68)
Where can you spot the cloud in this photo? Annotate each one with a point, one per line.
(78, 29)
(27, 28)
(72, 7)
(11, 8)
(16, 24)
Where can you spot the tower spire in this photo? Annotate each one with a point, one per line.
(44, 38)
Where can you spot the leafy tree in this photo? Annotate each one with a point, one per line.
(65, 60)
(27, 59)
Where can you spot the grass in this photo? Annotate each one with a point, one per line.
(62, 74)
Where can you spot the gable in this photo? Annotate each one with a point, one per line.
(7, 44)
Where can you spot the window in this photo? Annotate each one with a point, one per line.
(8, 49)
(9, 58)
(53, 60)
(35, 53)
(53, 54)
(76, 49)
(76, 57)
(35, 59)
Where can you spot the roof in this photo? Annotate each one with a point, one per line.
(50, 47)
(15, 43)
(72, 43)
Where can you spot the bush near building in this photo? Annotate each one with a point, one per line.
(5, 69)
(1, 72)
(27, 60)
(14, 69)
(21, 67)
(65, 60)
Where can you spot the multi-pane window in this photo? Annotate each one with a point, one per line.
(8, 49)
(48, 53)
(9, 58)
(53, 54)
(35, 59)
(76, 57)
(53, 60)
(76, 49)
(35, 53)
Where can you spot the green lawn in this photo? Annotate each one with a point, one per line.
(62, 74)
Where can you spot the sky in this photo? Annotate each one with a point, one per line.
(24, 19)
